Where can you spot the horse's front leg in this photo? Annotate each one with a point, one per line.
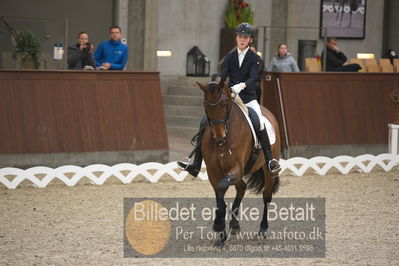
(229, 179)
(219, 224)
(241, 187)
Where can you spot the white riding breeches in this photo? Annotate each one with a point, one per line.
(255, 105)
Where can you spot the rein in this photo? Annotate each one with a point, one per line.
(226, 120)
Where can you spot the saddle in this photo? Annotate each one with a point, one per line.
(254, 123)
(255, 151)
(252, 119)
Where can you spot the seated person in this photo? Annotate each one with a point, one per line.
(80, 55)
(283, 61)
(335, 59)
(112, 54)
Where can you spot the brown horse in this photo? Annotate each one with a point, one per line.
(227, 145)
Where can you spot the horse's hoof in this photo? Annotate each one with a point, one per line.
(219, 244)
(262, 232)
(222, 236)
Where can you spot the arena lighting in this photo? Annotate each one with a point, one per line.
(365, 56)
(164, 53)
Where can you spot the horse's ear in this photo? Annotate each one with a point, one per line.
(226, 89)
(202, 87)
(221, 84)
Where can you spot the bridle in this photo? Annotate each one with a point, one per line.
(226, 120)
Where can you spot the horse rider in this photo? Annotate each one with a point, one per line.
(242, 66)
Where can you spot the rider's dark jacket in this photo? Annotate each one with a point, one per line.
(248, 72)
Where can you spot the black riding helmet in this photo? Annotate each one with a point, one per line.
(244, 29)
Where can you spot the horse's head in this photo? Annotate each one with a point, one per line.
(217, 104)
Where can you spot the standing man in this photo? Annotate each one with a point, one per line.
(112, 54)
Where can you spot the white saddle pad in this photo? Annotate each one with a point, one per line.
(270, 131)
(269, 128)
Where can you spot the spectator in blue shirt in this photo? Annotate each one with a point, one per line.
(112, 54)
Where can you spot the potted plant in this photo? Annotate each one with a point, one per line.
(237, 12)
(27, 50)
(395, 99)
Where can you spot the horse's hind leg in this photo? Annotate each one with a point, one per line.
(219, 224)
(267, 198)
(264, 225)
(241, 187)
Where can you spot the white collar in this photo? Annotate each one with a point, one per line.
(243, 52)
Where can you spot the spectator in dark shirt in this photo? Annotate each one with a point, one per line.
(335, 59)
(80, 55)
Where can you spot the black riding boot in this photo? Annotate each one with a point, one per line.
(272, 164)
(194, 167)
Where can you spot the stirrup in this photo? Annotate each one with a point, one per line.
(187, 161)
(274, 172)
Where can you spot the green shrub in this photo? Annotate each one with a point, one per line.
(238, 12)
(28, 45)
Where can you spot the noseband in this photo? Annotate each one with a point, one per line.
(226, 121)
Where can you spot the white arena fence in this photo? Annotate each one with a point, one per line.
(99, 173)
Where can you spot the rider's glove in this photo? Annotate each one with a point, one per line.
(238, 87)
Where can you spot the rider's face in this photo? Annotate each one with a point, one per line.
(243, 41)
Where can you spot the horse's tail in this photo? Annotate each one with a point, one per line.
(256, 182)
(276, 184)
